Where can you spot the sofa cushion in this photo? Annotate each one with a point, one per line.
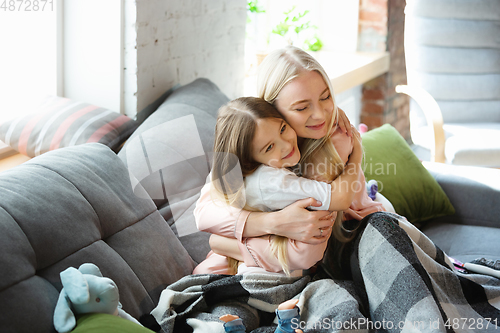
(473, 191)
(402, 178)
(473, 231)
(167, 155)
(71, 206)
(61, 122)
(465, 242)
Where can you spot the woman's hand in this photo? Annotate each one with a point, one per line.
(344, 122)
(296, 222)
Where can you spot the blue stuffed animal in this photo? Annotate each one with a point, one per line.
(85, 290)
(372, 189)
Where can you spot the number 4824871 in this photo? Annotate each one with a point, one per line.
(27, 5)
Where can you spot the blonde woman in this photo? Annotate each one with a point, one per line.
(297, 85)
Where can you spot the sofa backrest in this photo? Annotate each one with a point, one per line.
(169, 156)
(72, 206)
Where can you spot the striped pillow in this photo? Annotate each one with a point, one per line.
(61, 122)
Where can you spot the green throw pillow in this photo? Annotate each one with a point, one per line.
(106, 323)
(401, 176)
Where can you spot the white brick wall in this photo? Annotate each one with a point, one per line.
(177, 41)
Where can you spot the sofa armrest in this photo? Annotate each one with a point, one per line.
(473, 191)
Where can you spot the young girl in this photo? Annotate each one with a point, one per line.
(252, 132)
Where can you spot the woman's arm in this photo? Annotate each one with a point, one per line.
(294, 221)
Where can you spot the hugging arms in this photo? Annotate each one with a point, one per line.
(250, 231)
(298, 87)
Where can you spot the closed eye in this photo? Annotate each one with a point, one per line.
(327, 97)
(305, 107)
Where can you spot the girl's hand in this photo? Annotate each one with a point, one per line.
(357, 148)
(344, 122)
(298, 223)
(330, 216)
(356, 136)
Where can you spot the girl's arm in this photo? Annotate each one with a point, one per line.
(345, 187)
(254, 252)
(217, 217)
(225, 247)
(294, 221)
(301, 256)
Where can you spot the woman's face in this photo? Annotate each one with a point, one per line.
(307, 105)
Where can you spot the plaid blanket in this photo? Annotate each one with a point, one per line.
(401, 282)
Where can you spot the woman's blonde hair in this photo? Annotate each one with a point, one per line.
(234, 132)
(278, 69)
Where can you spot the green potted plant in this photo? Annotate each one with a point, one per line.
(296, 29)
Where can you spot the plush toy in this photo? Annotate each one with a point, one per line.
(372, 188)
(85, 290)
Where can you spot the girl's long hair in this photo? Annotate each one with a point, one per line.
(275, 72)
(234, 132)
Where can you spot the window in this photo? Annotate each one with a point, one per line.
(92, 47)
(333, 22)
(28, 64)
(68, 48)
(321, 24)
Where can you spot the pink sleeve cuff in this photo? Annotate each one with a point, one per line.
(240, 223)
(248, 258)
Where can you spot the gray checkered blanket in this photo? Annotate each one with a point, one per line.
(401, 282)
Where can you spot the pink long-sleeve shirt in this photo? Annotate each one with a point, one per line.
(228, 221)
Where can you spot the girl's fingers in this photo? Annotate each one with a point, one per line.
(344, 122)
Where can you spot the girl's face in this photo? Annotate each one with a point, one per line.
(275, 143)
(307, 105)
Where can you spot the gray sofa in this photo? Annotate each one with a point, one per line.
(82, 204)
